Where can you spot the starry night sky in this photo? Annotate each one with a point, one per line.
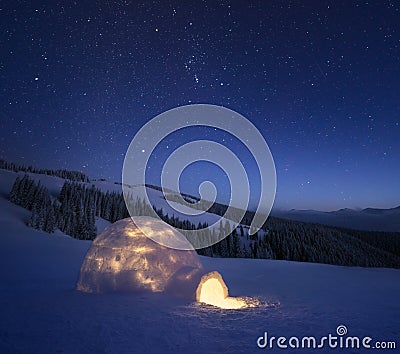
(319, 79)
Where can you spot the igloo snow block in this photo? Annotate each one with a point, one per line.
(123, 259)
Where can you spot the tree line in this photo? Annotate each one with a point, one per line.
(65, 174)
(74, 210)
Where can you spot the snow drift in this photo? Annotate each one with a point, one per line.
(122, 258)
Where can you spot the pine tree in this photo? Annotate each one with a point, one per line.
(50, 218)
(34, 217)
(15, 191)
(236, 249)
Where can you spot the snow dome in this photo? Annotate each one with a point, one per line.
(122, 258)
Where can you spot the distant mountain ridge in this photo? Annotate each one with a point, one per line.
(395, 210)
(371, 219)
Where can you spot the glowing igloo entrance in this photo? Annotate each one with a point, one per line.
(212, 290)
(123, 259)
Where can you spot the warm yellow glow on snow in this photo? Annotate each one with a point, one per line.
(142, 250)
(152, 283)
(212, 290)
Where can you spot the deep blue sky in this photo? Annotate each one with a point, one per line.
(320, 79)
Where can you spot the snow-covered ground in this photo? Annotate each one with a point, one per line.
(41, 312)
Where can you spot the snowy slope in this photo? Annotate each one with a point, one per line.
(54, 185)
(42, 313)
(156, 198)
(7, 178)
(365, 219)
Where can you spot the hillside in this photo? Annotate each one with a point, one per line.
(280, 239)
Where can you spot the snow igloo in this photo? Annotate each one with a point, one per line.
(123, 259)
